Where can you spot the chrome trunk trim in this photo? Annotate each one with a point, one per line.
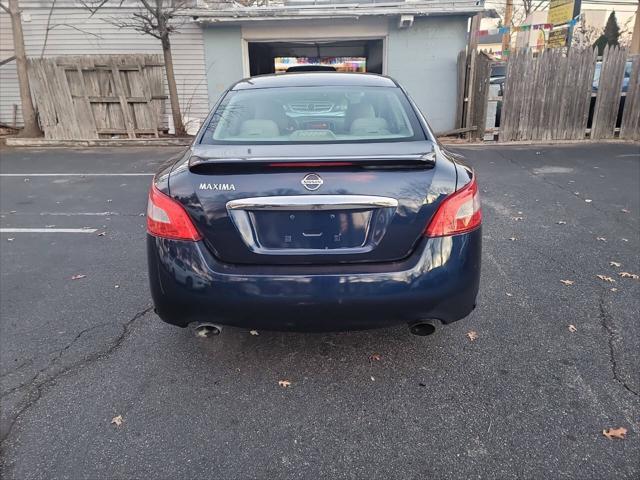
(312, 202)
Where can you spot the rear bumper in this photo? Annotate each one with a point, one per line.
(439, 280)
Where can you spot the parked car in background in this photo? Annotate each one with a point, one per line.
(624, 86)
(311, 68)
(318, 201)
(498, 75)
(625, 79)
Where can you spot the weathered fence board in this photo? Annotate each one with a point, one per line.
(549, 97)
(605, 112)
(473, 92)
(630, 125)
(480, 87)
(98, 96)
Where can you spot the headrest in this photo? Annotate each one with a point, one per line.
(259, 129)
(361, 110)
(369, 126)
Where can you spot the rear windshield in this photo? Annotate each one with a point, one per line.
(333, 114)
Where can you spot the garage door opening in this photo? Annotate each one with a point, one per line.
(344, 56)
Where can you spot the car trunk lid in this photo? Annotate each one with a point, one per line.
(312, 204)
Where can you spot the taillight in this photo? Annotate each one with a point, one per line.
(458, 213)
(168, 219)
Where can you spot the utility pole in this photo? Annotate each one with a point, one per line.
(508, 19)
(635, 38)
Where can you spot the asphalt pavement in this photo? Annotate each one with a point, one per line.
(552, 364)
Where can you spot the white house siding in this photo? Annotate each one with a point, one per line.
(75, 32)
(9, 93)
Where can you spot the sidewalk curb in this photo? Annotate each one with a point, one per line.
(44, 142)
(541, 143)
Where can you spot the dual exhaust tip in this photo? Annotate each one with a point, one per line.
(207, 330)
(422, 328)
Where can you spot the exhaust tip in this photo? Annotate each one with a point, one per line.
(422, 329)
(207, 330)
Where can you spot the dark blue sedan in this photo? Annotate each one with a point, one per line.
(317, 202)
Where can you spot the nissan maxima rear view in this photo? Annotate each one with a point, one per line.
(314, 202)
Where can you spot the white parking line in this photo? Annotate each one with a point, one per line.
(76, 174)
(65, 214)
(48, 230)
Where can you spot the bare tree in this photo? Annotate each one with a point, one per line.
(157, 18)
(31, 126)
(528, 6)
(585, 35)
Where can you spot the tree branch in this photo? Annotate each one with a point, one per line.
(5, 8)
(48, 29)
(87, 32)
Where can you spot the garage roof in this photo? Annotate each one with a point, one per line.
(332, 9)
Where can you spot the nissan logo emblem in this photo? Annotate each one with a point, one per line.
(312, 181)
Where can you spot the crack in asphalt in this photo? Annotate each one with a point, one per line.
(38, 388)
(607, 323)
(59, 353)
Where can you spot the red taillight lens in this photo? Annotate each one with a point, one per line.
(168, 219)
(458, 213)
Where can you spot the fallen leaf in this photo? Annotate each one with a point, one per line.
(78, 276)
(572, 328)
(373, 379)
(588, 200)
(375, 357)
(624, 210)
(561, 222)
(509, 294)
(606, 279)
(629, 275)
(513, 239)
(615, 264)
(612, 433)
(601, 239)
(567, 282)
(613, 289)
(254, 332)
(117, 420)
(472, 335)
(284, 383)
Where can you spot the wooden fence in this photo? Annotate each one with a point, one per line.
(556, 95)
(99, 96)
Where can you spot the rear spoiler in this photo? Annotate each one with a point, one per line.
(421, 161)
